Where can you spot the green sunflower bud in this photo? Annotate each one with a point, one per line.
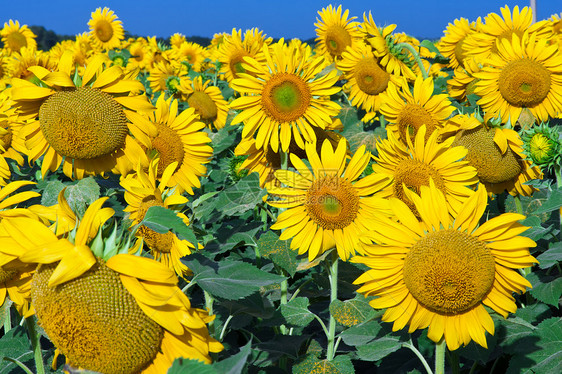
(542, 145)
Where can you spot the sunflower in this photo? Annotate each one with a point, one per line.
(79, 123)
(411, 166)
(106, 31)
(142, 56)
(207, 101)
(366, 78)
(285, 98)
(406, 111)
(335, 32)
(167, 76)
(393, 58)
(192, 53)
(526, 73)
(141, 192)
(12, 145)
(14, 36)
(328, 206)
(462, 83)
(490, 34)
(234, 48)
(451, 44)
(177, 39)
(15, 279)
(174, 136)
(107, 312)
(498, 157)
(265, 162)
(441, 271)
(21, 61)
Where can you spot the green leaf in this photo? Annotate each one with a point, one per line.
(278, 251)
(550, 257)
(545, 356)
(185, 365)
(553, 202)
(296, 312)
(514, 335)
(162, 220)
(352, 312)
(234, 364)
(241, 197)
(82, 194)
(548, 290)
(536, 231)
(341, 364)
(15, 344)
(361, 334)
(49, 196)
(379, 348)
(227, 279)
(429, 45)
(534, 312)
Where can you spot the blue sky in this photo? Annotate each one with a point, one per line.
(279, 18)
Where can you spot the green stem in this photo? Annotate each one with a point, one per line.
(224, 327)
(209, 305)
(412, 348)
(8, 318)
(34, 336)
(333, 276)
(416, 56)
(440, 349)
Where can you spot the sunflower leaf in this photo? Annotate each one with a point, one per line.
(352, 312)
(341, 364)
(548, 290)
(279, 251)
(296, 312)
(553, 202)
(15, 344)
(234, 364)
(361, 334)
(550, 257)
(82, 194)
(162, 220)
(186, 365)
(227, 279)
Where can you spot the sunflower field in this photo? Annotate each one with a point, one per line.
(367, 203)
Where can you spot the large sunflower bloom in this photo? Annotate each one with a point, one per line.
(167, 76)
(366, 78)
(106, 31)
(439, 272)
(15, 37)
(79, 123)
(175, 136)
(451, 44)
(109, 313)
(284, 98)
(411, 166)
(21, 61)
(496, 28)
(328, 206)
(207, 101)
(406, 111)
(142, 192)
(462, 83)
(497, 154)
(190, 52)
(525, 73)
(335, 32)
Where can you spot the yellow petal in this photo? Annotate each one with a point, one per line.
(75, 262)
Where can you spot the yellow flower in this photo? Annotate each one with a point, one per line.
(526, 73)
(175, 137)
(406, 111)
(335, 32)
(167, 76)
(328, 206)
(440, 272)
(141, 192)
(207, 101)
(15, 37)
(120, 314)
(106, 31)
(285, 98)
(21, 61)
(413, 165)
(451, 44)
(190, 52)
(80, 123)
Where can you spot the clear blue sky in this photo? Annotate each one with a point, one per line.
(276, 18)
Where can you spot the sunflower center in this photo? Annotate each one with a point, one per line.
(6, 275)
(370, 78)
(236, 63)
(483, 154)
(449, 271)
(155, 240)
(95, 322)
(83, 124)
(6, 139)
(332, 203)
(414, 174)
(412, 117)
(524, 83)
(203, 105)
(507, 34)
(337, 39)
(104, 30)
(169, 146)
(172, 84)
(286, 97)
(16, 40)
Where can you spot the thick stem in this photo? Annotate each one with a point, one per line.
(34, 336)
(440, 349)
(8, 318)
(333, 276)
(416, 56)
(412, 348)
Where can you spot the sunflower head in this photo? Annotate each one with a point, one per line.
(234, 168)
(106, 31)
(15, 37)
(542, 145)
